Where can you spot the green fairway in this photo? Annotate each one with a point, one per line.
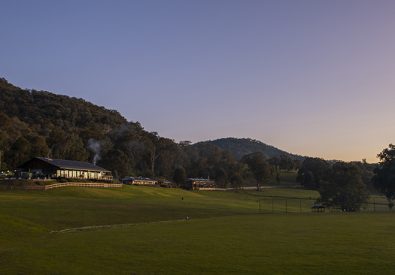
(143, 230)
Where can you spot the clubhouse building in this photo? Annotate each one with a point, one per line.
(40, 167)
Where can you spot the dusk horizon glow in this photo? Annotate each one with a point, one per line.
(314, 78)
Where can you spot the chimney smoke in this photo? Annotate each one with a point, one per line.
(94, 147)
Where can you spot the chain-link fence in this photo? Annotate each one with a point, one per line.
(272, 204)
(285, 205)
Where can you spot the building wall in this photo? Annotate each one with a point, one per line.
(196, 185)
(144, 182)
(77, 174)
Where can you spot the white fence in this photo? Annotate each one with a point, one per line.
(73, 184)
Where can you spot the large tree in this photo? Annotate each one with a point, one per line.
(312, 171)
(259, 167)
(180, 176)
(384, 174)
(343, 187)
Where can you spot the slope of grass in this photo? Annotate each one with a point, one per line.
(257, 244)
(225, 235)
(75, 207)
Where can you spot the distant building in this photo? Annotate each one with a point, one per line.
(59, 168)
(167, 184)
(139, 181)
(199, 184)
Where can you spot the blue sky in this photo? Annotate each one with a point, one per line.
(311, 77)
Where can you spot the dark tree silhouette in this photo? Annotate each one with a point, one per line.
(343, 187)
(259, 167)
(312, 172)
(384, 174)
(180, 176)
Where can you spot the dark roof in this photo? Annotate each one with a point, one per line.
(73, 164)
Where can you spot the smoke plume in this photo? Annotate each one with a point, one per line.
(94, 146)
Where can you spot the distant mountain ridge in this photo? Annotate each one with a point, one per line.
(240, 147)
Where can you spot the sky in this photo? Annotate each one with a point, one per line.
(312, 77)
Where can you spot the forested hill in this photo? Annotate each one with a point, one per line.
(240, 147)
(39, 123)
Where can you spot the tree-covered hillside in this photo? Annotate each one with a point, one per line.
(240, 147)
(40, 123)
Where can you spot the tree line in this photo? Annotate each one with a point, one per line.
(348, 185)
(39, 123)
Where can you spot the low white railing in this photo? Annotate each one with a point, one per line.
(73, 184)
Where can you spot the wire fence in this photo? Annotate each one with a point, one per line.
(373, 206)
(272, 204)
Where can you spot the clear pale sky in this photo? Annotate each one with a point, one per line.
(311, 77)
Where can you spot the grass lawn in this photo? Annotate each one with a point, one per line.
(226, 234)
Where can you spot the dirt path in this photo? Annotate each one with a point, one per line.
(109, 226)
